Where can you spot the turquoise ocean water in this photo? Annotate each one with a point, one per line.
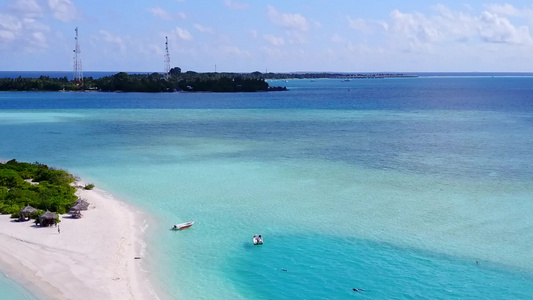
(11, 290)
(394, 186)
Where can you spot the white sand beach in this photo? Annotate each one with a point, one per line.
(95, 257)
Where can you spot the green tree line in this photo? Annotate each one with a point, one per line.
(155, 82)
(174, 81)
(53, 192)
(43, 83)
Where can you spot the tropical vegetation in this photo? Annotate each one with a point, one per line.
(34, 184)
(175, 80)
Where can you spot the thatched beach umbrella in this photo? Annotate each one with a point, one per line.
(48, 218)
(26, 212)
(76, 207)
(80, 204)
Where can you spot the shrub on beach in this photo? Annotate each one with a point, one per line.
(57, 177)
(89, 186)
(37, 214)
(10, 178)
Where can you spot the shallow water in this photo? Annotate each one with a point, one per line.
(394, 186)
(11, 290)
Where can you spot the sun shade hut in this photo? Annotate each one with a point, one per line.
(79, 205)
(48, 219)
(26, 212)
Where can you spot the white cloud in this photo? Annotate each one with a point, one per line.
(273, 53)
(415, 27)
(511, 11)
(10, 23)
(295, 25)
(39, 39)
(113, 39)
(360, 25)
(336, 38)
(295, 22)
(316, 23)
(273, 40)
(182, 34)
(63, 10)
(151, 49)
(454, 25)
(236, 5)
(253, 33)
(6, 37)
(21, 31)
(446, 33)
(234, 51)
(496, 29)
(505, 9)
(223, 38)
(422, 32)
(158, 12)
(203, 29)
(361, 49)
(34, 25)
(26, 8)
(19, 27)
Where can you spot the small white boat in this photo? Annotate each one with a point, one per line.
(183, 225)
(258, 239)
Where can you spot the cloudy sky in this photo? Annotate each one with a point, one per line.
(273, 35)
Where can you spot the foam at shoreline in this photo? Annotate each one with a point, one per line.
(96, 257)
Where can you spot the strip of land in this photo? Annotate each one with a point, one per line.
(96, 257)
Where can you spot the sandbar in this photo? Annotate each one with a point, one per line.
(98, 256)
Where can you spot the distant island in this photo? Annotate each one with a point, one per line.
(174, 81)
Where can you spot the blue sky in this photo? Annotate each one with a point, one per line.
(278, 36)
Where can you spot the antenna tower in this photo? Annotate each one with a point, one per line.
(167, 58)
(78, 72)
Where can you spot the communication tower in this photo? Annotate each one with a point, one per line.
(78, 72)
(167, 58)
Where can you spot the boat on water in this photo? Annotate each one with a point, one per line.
(183, 225)
(258, 239)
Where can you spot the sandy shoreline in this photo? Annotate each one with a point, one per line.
(96, 257)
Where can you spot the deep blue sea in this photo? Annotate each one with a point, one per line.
(407, 188)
